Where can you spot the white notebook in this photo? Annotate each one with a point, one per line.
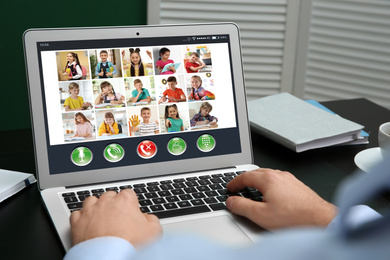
(12, 182)
(298, 125)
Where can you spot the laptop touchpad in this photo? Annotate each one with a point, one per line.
(221, 229)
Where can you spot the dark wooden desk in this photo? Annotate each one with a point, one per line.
(26, 229)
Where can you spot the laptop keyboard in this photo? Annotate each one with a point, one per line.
(176, 197)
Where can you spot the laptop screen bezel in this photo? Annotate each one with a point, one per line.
(47, 180)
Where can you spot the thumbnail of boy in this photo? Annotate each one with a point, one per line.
(203, 117)
(172, 94)
(145, 127)
(194, 64)
(140, 94)
(105, 69)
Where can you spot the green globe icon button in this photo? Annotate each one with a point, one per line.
(177, 146)
(114, 153)
(81, 156)
(205, 143)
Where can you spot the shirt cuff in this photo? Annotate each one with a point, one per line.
(358, 215)
(102, 248)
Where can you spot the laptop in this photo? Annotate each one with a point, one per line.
(95, 129)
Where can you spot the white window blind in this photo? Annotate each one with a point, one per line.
(268, 47)
(348, 51)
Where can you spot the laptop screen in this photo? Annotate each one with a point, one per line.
(121, 102)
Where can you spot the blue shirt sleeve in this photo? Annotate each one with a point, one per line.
(102, 248)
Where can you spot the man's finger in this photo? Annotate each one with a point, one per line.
(91, 200)
(74, 217)
(245, 207)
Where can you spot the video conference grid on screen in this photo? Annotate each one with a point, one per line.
(129, 92)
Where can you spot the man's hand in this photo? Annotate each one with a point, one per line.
(286, 201)
(114, 215)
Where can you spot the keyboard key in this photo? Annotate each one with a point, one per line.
(190, 190)
(170, 205)
(217, 175)
(224, 184)
(166, 182)
(159, 201)
(140, 190)
(239, 172)
(197, 202)
(229, 174)
(222, 198)
(205, 177)
(68, 194)
(212, 193)
(140, 185)
(215, 186)
(164, 193)
(183, 204)
(203, 188)
(155, 183)
(84, 192)
(166, 187)
(140, 196)
(179, 180)
(223, 192)
(218, 206)
(251, 194)
(125, 187)
(151, 195)
(192, 178)
(153, 188)
(112, 189)
(227, 178)
(216, 180)
(77, 205)
(179, 185)
(97, 191)
(144, 209)
(83, 197)
(210, 200)
(204, 182)
(145, 202)
(186, 197)
(182, 212)
(198, 195)
(156, 208)
(192, 183)
(97, 195)
(172, 199)
(70, 199)
(177, 192)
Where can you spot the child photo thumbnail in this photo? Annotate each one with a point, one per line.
(105, 63)
(143, 120)
(112, 123)
(79, 126)
(137, 62)
(75, 95)
(73, 65)
(168, 60)
(197, 59)
(140, 91)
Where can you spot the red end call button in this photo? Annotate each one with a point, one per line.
(147, 149)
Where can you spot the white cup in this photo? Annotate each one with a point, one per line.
(384, 138)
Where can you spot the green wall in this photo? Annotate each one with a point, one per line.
(18, 16)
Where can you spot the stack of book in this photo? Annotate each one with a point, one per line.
(301, 125)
